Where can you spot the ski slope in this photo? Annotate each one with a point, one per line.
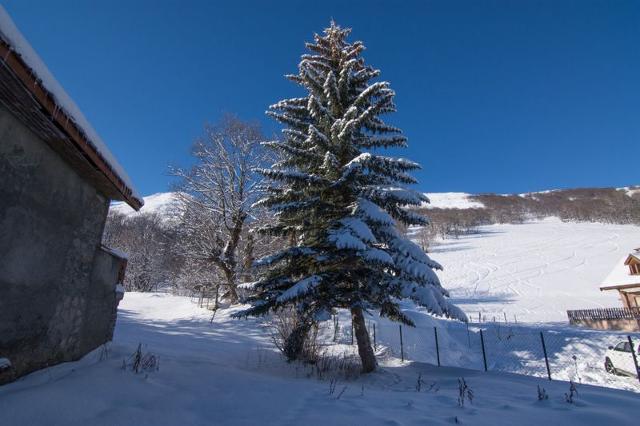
(534, 271)
(227, 372)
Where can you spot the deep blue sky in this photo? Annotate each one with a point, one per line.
(495, 96)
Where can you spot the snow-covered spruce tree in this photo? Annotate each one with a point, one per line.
(340, 204)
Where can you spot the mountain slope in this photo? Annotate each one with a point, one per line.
(551, 202)
(161, 203)
(534, 271)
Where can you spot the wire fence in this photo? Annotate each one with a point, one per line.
(604, 358)
(586, 356)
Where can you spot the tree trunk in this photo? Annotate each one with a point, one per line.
(365, 350)
(232, 292)
(248, 259)
(217, 303)
(294, 343)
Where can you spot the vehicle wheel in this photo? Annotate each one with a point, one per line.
(608, 365)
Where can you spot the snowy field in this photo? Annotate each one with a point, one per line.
(451, 200)
(515, 281)
(535, 271)
(575, 354)
(227, 373)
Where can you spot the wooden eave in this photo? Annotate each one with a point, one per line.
(632, 259)
(621, 287)
(22, 93)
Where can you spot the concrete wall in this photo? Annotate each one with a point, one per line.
(57, 298)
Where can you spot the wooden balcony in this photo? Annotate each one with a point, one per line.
(623, 319)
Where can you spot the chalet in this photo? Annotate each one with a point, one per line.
(59, 287)
(625, 279)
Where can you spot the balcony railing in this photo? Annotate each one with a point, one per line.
(604, 314)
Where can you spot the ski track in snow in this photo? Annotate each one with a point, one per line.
(535, 271)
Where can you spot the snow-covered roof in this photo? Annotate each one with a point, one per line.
(621, 275)
(635, 256)
(116, 252)
(10, 35)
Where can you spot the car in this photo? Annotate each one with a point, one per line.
(619, 359)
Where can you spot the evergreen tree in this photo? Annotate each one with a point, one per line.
(339, 204)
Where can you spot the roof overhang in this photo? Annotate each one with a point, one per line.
(621, 287)
(23, 94)
(632, 258)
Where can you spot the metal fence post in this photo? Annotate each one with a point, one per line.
(401, 344)
(352, 331)
(374, 337)
(546, 359)
(484, 354)
(635, 359)
(435, 332)
(468, 335)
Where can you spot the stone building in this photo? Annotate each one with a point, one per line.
(58, 285)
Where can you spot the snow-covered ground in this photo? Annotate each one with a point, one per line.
(451, 200)
(228, 373)
(516, 281)
(535, 271)
(574, 353)
(631, 190)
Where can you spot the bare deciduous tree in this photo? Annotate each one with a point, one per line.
(216, 196)
(147, 240)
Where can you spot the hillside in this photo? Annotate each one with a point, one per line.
(533, 271)
(161, 203)
(531, 268)
(616, 205)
